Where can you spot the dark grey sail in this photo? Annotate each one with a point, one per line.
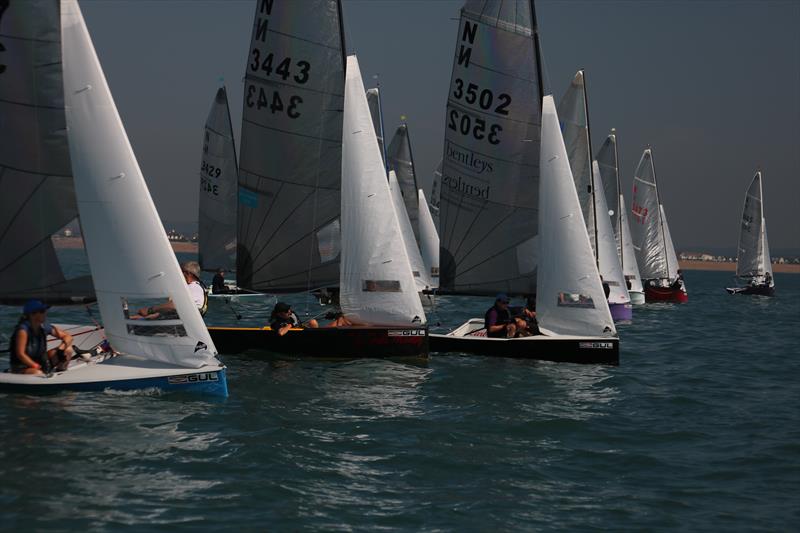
(36, 186)
(291, 144)
(490, 170)
(401, 160)
(219, 183)
(607, 160)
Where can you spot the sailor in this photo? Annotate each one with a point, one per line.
(498, 321)
(28, 346)
(768, 279)
(283, 319)
(191, 274)
(218, 282)
(678, 283)
(606, 287)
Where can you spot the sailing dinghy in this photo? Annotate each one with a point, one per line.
(119, 220)
(655, 252)
(608, 163)
(303, 207)
(753, 262)
(510, 218)
(219, 176)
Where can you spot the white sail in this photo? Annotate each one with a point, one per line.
(37, 197)
(428, 241)
(129, 254)
(376, 284)
(629, 266)
(672, 257)
(569, 295)
(417, 266)
(646, 228)
(766, 258)
(607, 257)
(219, 183)
(573, 114)
(753, 259)
(374, 100)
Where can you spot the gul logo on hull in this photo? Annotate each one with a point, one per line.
(406, 332)
(193, 378)
(596, 345)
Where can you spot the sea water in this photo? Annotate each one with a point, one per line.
(698, 429)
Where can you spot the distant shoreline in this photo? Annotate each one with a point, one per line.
(719, 266)
(726, 266)
(73, 243)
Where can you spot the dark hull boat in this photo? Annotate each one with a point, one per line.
(759, 290)
(665, 294)
(545, 347)
(344, 342)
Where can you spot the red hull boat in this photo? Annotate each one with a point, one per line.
(665, 294)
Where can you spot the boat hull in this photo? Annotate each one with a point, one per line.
(760, 290)
(343, 342)
(106, 371)
(665, 294)
(547, 347)
(621, 312)
(637, 298)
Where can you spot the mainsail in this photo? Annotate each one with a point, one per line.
(428, 241)
(400, 159)
(608, 164)
(647, 231)
(129, 254)
(573, 112)
(570, 297)
(36, 185)
(753, 259)
(376, 284)
(490, 169)
(219, 182)
(290, 161)
(418, 269)
(374, 100)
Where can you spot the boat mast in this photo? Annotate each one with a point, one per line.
(660, 218)
(619, 205)
(537, 48)
(591, 171)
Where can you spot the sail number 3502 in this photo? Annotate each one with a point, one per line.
(467, 125)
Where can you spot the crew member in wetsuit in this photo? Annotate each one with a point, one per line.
(678, 283)
(28, 347)
(283, 319)
(218, 282)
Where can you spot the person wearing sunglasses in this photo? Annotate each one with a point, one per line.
(28, 347)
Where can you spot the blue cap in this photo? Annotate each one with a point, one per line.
(502, 297)
(33, 306)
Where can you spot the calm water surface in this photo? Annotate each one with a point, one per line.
(698, 429)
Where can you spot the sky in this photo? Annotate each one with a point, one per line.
(712, 86)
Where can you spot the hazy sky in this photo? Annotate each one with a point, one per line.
(713, 86)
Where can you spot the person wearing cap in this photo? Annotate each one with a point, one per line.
(191, 273)
(218, 283)
(28, 346)
(498, 321)
(283, 319)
